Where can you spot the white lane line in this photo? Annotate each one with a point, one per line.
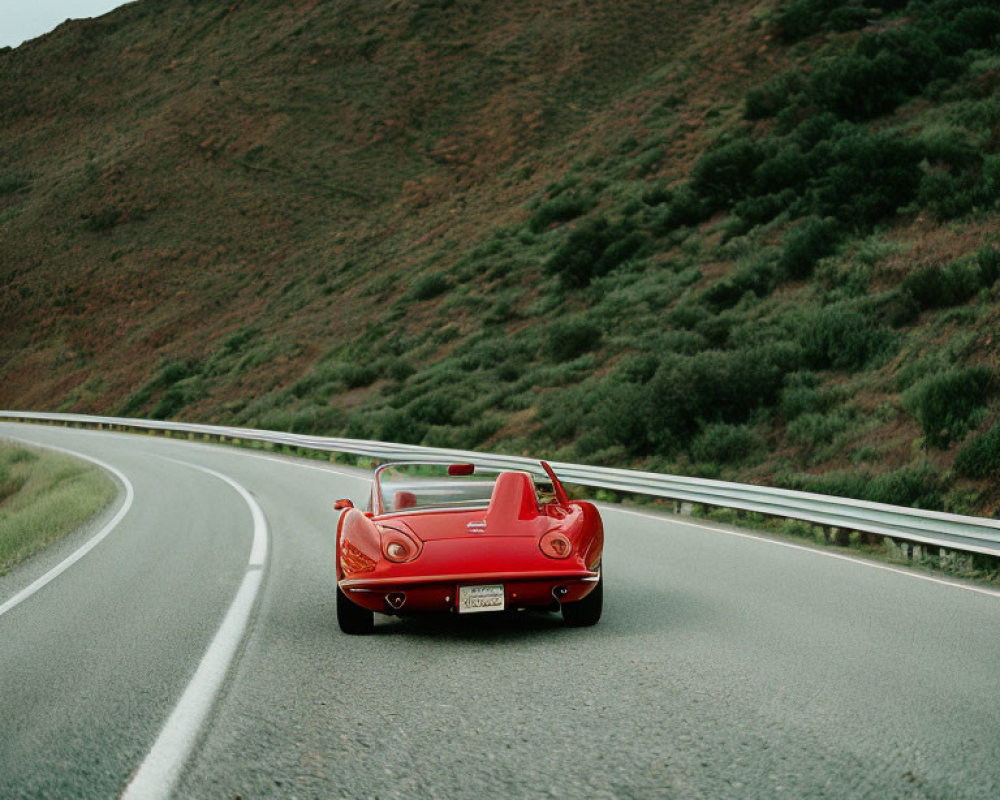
(160, 770)
(814, 551)
(91, 543)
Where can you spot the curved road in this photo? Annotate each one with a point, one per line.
(726, 665)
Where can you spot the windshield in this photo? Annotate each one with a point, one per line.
(404, 487)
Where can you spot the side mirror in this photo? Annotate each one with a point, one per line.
(340, 505)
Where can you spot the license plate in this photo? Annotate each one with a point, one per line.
(473, 599)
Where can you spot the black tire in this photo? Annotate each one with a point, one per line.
(352, 618)
(587, 611)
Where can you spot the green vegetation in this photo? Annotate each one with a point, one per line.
(980, 458)
(946, 403)
(44, 496)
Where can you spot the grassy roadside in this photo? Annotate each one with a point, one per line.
(43, 497)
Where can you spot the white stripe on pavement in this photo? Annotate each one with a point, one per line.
(160, 770)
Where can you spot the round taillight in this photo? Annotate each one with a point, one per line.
(556, 545)
(399, 546)
(397, 551)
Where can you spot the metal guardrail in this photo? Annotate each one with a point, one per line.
(934, 528)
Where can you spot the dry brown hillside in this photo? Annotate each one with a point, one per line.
(731, 238)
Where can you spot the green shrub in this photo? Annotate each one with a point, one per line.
(714, 386)
(560, 209)
(787, 168)
(684, 209)
(948, 195)
(798, 398)
(570, 338)
(818, 129)
(686, 343)
(686, 315)
(978, 26)
(429, 286)
(393, 425)
(179, 383)
(765, 101)
(465, 437)
(726, 173)
(807, 244)
(898, 308)
(756, 278)
(841, 337)
(237, 343)
(857, 88)
(884, 69)
(174, 371)
(616, 417)
(720, 443)
(813, 429)
(758, 209)
(802, 18)
(656, 194)
(867, 178)
(988, 260)
(715, 329)
(915, 486)
(944, 402)
(594, 249)
(399, 369)
(177, 396)
(355, 376)
(979, 458)
(562, 414)
(950, 285)
(980, 116)
(840, 484)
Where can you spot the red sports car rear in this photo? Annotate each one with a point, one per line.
(442, 538)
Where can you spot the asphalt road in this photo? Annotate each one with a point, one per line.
(725, 666)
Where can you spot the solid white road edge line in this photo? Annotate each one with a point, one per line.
(814, 551)
(91, 543)
(160, 770)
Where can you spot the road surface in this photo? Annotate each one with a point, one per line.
(726, 665)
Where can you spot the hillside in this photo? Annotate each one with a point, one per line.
(757, 241)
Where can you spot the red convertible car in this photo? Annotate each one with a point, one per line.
(467, 540)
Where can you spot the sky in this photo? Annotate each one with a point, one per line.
(25, 19)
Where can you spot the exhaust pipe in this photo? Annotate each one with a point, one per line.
(395, 600)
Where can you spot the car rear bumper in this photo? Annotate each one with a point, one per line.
(428, 593)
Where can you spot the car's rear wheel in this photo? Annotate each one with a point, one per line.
(352, 618)
(587, 611)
